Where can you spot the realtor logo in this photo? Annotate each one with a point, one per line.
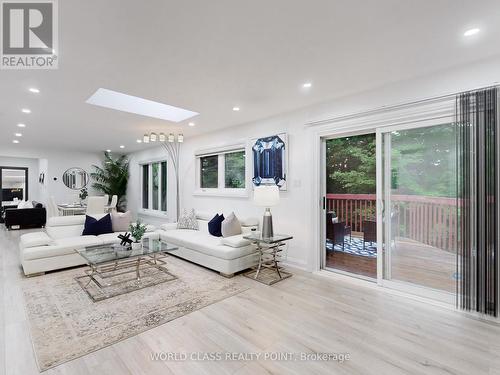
(29, 34)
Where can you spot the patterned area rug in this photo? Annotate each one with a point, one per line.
(66, 324)
(355, 247)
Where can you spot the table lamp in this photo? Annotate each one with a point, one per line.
(267, 196)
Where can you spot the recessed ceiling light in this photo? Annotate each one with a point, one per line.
(236, 109)
(471, 32)
(34, 90)
(122, 146)
(108, 150)
(15, 141)
(133, 104)
(18, 134)
(139, 141)
(191, 124)
(307, 85)
(26, 110)
(21, 125)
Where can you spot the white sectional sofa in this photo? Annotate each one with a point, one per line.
(56, 247)
(225, 255)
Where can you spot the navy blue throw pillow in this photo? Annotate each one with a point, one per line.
(94, 227)
(215, 225)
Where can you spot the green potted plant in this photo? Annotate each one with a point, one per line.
(112, 178)
(137, 230)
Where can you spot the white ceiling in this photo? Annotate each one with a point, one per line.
(208, 56)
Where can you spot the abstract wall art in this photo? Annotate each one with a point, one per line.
(270, 160)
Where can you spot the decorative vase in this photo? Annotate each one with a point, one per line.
(136, 245)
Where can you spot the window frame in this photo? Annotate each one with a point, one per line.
(149, 210)
(221, 190)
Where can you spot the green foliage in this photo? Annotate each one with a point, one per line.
(137, 230)
(235, 170)
(351, 165)
(112, 178)
(209, 171)
(423, 162)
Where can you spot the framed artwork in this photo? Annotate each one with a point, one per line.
(270, 160)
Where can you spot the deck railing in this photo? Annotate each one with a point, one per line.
(428, 220)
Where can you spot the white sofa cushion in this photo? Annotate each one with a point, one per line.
(168, 226)
(58, 221)
(79, 242)
(109, 238)
(35, 239)
(204, 243)
(201, 215)
(64, 231)
(249, 222)
(235, 241)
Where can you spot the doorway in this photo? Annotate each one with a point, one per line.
(350, 205)
(419, 194)
(390, 207)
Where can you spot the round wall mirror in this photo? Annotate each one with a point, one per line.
(76, 178)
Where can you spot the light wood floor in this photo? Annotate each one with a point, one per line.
(384, 333)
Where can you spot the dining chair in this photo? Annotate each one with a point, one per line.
(95, 205)
(112, 205)
(52, 209)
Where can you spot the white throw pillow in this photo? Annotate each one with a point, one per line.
(120, 221)
(231, 226)
(187, 220)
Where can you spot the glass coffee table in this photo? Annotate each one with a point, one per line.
(115, 269)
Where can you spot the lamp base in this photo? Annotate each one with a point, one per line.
(267, 224)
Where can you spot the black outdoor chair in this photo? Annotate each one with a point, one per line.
(336, 232)
(369, 232)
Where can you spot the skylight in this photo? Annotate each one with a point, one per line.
(133, 104)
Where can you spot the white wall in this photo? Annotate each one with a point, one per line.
(293, 215)
(53, 163)
(32, 165)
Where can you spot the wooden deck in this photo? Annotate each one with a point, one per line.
(412, 262)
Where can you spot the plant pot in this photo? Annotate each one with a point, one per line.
(136, 245)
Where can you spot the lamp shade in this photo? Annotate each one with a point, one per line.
(266, 195)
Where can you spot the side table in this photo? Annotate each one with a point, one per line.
(268, 270)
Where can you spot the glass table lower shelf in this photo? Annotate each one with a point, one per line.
(115, 270)
(268, 271)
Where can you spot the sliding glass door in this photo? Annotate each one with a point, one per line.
(418, 197)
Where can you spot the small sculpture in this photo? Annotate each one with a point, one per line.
(126, 241)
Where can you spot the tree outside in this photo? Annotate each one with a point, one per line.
(423, 163)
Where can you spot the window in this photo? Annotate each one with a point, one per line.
(209, 172)
(222, 171)
(234, 167)
(154, 186)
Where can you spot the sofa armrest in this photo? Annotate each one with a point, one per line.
(168, 226)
